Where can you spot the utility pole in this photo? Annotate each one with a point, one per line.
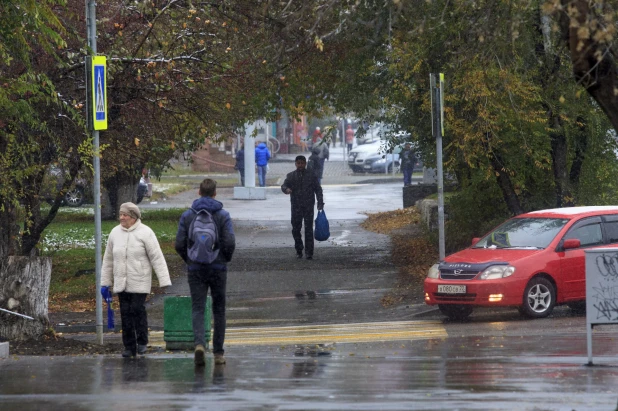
(95, 101)
(437, 113)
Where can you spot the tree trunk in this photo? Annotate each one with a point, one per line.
(107, 210)
(25, 290)
(594, 66)
(581, 148)
(120, 190)
(9, 230)
(506, 186)
(559, 162)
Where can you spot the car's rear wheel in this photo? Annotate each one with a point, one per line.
(577, 306)
(390, 169)
(456, 311)
(539, 298)
(141, 191)
(74, 197)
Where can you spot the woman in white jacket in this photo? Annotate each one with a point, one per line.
(131, 254)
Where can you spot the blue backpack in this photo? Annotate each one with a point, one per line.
(203, 238)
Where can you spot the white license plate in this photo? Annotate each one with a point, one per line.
(367, 166)
(452, 289)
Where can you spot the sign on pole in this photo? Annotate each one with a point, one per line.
(97, 113)
(601, 290)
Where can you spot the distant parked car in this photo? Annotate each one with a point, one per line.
(532, 261)
(371, 158)
(381, 163)
(75, 196)
(358, 155)
(143, 187)
(81, 190)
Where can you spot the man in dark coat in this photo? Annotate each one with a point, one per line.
(240, 164)
(303, 187)
(201, 277)
(407, 161)
(315, 163)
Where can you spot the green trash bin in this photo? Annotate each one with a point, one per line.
(177, 327)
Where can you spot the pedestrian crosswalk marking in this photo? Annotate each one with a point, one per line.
(336, 333)
(327, 333)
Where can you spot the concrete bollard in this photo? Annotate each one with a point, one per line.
(4, 350)
(177, 326)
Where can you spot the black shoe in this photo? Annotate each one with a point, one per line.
(128, 354)
(141, 349)
(299, 255)
(309, 257)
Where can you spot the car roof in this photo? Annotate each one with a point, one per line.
(570, 212)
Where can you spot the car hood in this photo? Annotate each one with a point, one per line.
(366, 148)
(490, 255)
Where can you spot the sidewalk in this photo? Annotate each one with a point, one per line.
(263, 237)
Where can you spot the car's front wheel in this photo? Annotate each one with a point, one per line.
(539, 298)
(74, 197)
(456, 311)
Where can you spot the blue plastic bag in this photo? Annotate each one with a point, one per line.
(108, 297)
(322, 231)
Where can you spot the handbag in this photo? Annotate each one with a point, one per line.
(322, 231)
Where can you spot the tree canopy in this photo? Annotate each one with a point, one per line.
(530, 93)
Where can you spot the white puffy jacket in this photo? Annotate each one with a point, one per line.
(130, 256)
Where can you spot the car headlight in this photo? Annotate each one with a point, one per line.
(497, 271)
(433, 272)
(380, 161)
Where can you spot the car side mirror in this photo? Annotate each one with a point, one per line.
(475, 240)
(571, 243)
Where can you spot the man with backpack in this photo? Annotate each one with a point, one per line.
(206, 242)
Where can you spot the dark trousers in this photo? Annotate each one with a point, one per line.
(199, 283)
(300, 214)
(242, 176)
(134, 320)
(407, 176)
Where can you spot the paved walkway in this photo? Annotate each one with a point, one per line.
(336, 171)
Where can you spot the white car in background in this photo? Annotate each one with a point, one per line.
(372, 158)
(358, 155)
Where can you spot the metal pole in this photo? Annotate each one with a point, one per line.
(344, 144)
(437, 117)
(17, 314)
(91, 28)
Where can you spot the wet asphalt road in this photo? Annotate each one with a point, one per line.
(529, 372)
(312, 335)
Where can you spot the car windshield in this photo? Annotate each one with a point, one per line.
(534, 233)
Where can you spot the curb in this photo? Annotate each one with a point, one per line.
(76, 329)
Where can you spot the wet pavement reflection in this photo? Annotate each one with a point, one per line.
(434, 373)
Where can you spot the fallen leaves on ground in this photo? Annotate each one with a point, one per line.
(412, 252)
(388, 221)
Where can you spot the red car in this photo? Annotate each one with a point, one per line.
(533, 261)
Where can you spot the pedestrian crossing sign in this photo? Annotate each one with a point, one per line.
(99, 92)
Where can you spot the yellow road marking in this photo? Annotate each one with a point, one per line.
(330, 333)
